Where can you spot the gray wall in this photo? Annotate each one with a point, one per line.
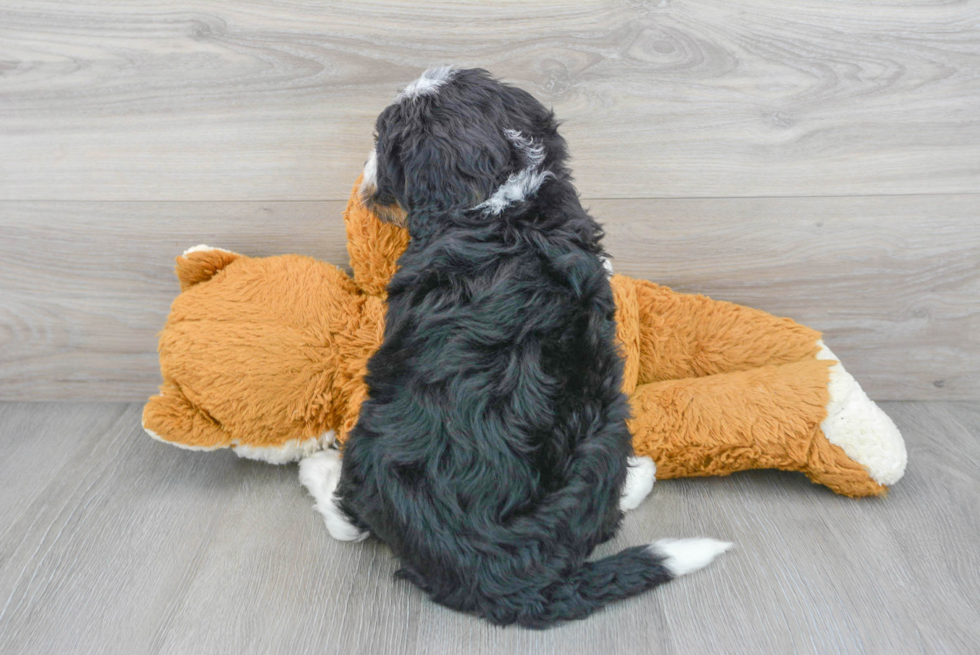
(816, 160)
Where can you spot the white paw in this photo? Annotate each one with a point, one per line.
(682, 556)
(640, 476)
(856, 424)
(320, 474)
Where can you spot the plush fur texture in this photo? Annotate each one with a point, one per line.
(751, 380)
(859, 427)
(264, 355)
(714, 387)
(491, 453)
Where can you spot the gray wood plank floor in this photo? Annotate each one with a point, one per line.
(113, 543)
(818, 160)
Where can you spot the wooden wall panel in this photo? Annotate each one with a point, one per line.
(895, 287)
(275, 100)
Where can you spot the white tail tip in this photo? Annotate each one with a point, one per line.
(682, 556)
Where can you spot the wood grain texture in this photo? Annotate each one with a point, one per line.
(117, 543)
(87, 286)
(275, 99)
(894, 284)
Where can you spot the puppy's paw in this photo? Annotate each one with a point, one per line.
(320, 474)
(641, 475)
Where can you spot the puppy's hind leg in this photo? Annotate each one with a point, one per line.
(640, 476)
(320, 474)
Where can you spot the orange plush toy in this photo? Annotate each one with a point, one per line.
(267, 356)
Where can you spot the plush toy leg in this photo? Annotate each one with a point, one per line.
(766, 417)
(171, 418)
(856, 424)
(689, 340)
(681, 335)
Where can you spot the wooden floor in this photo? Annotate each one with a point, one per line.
(113, 543)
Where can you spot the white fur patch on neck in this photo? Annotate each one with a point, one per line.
(369, 178)
(429, 82)
(523, 183)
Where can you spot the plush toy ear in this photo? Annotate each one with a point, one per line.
(200, 264)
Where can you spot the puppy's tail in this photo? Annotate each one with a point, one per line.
(625, 574)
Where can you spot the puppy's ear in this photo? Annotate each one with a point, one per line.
(529, 117)
(457, 166)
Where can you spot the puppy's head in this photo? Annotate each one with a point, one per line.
(457, 140)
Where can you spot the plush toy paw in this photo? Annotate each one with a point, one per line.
(288, 451)
(320, 474)
(641, 475)
(860, 428)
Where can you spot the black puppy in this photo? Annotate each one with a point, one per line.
(492, 453)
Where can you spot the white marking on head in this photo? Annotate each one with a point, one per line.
(429, 82)
(369, 179)
(523, 183)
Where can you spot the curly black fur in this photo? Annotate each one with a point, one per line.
(492, 451)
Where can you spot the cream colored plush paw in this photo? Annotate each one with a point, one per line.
(856, 424)
(320, 474)
(640, 476)
(290, 451)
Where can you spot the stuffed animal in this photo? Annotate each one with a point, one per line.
(267, 356)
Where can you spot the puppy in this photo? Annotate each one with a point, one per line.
(492, 452)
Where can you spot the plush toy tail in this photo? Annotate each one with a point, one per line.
(201, 263)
